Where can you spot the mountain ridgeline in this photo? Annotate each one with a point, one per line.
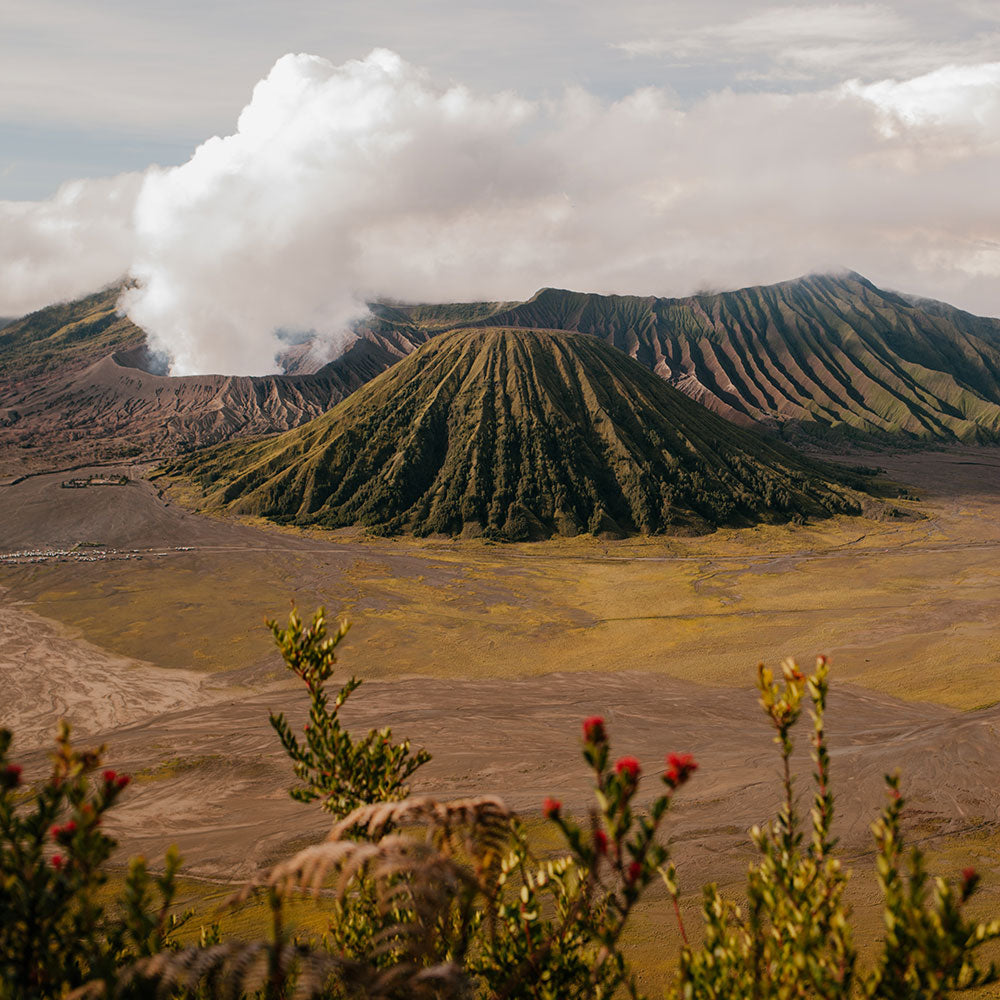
(518, 435)
(828, 358)
(79, 384)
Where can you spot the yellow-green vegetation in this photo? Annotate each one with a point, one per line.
(519, 435)
(168, 769)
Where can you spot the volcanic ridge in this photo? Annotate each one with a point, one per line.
(78, 384)
(518, 435)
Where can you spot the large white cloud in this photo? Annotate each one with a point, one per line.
(344, 183)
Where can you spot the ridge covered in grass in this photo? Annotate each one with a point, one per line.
(519, 434)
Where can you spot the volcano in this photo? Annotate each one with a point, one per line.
(518, 435)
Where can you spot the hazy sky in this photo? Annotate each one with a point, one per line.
(484, 150)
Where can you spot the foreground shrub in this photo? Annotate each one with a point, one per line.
(793, 937)
(56, 929)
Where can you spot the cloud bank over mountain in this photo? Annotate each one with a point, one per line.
(374, 179)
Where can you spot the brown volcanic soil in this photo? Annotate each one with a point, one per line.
(78, 385)
(212, 779)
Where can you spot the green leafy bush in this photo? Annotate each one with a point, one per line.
(332, 767)
(793, 937)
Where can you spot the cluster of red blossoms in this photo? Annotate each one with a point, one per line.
(680, 767)
(113, 778)
(629, 769)
(61, 835)
(970, 879)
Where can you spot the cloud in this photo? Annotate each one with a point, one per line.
(69, 245)
(337, 184)
(821, 43)
(370, 179)
(776, 29)
(952, 96)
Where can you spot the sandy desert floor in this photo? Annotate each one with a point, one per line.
(143, 623)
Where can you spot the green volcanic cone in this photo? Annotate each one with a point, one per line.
(519, 434)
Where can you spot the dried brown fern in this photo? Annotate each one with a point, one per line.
(484, 814)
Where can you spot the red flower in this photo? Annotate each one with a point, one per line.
(63, 833)
(634, 871)
(970, 879)
(109, 777)
(600, 842)
(680, 767)
(57, 861)
(628, 767)
(593, 730)
(550, 808)
(10, 776)
(123, 780)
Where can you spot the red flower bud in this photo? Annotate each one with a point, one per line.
(63, 833)
(10, 776)
(123, 780)
(550, 808)
(109, 777)
(970, 879)
(628, 767)
(57, 861)
(634, 871)
(680, 767)
(593, 730)
(600, 842)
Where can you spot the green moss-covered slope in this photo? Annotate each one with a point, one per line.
(518, 435)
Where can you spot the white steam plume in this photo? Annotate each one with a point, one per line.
(343, 184)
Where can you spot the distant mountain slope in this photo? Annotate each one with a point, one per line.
(823, 359)
(518, 434)
(77, 384)
(68, 334)
(826, 357)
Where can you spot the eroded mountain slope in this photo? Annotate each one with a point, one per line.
(827, 357)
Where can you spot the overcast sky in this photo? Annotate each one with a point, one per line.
(484, 150)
